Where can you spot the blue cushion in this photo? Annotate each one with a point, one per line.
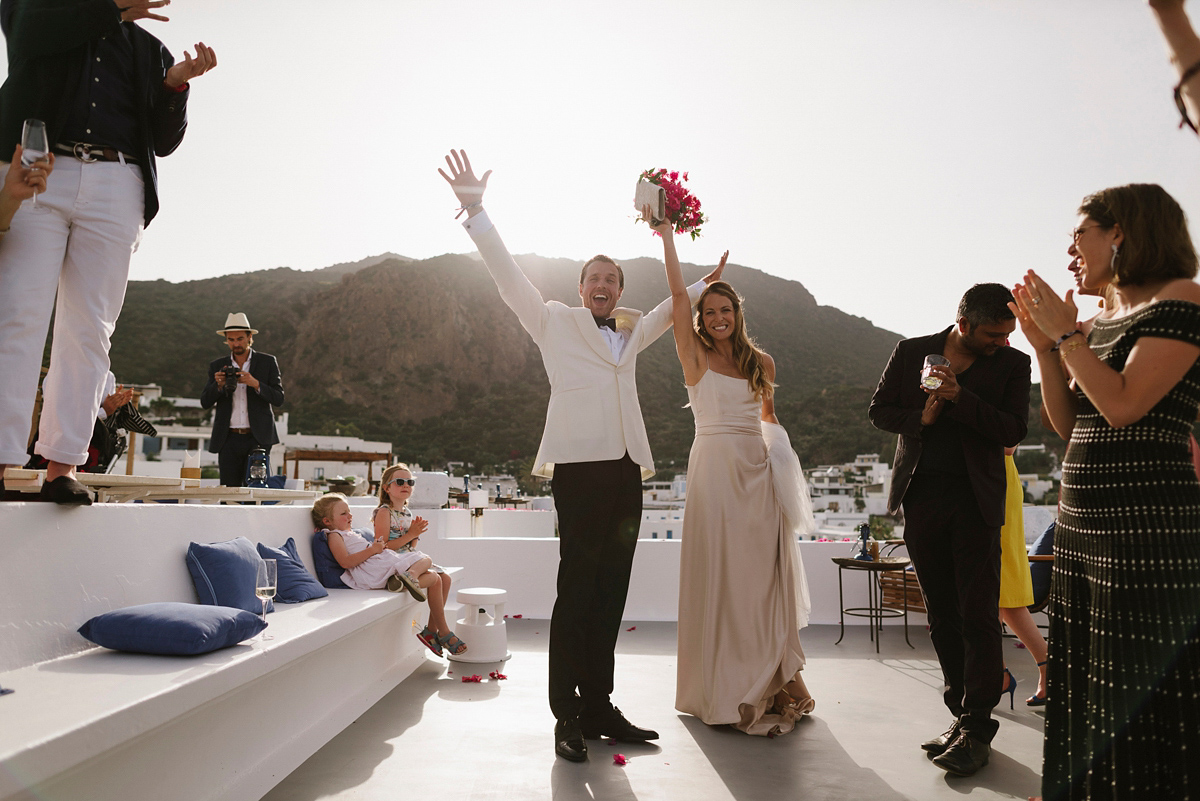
(224, 574)
(172, 628)
(329, 572)
(296, 584)
(1040, 571)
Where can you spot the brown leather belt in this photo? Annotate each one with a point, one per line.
(88, 153)
(240, 430)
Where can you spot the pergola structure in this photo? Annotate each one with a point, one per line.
(298, 455)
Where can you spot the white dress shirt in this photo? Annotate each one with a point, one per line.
(240, 416)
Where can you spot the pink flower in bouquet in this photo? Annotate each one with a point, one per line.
(683, 208)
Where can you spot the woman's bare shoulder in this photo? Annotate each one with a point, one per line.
(1179, 289)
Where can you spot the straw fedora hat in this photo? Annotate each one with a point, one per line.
(236, 321)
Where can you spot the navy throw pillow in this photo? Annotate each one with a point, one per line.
(329, 572)
(1040, 571)
(173, 629)
(224, 574)
(296, 584)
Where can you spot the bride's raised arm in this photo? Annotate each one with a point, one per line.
(687, 345)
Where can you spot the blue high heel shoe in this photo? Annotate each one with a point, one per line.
(1010, 687)
(1035, 699)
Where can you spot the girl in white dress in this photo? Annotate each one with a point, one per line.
(393, 520)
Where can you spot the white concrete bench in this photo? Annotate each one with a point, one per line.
(89, 723)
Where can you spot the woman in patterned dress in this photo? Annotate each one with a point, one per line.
(1123, 719)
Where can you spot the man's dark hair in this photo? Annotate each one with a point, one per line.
(985, 304)
(607, 260)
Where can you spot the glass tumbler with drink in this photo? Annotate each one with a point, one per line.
(928, 379)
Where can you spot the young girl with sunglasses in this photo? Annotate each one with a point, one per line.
(396, 526)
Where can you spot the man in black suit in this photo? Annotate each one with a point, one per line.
(243, 420)
(948, 475)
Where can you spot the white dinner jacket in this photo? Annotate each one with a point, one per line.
(594, 414)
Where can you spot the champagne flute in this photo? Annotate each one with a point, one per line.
(34, 145)
(264, 587)
(932, 360)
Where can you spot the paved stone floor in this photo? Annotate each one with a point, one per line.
(435, 736)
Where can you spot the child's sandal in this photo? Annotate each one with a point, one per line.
(430, 638)
(452, 644)
(404, 581)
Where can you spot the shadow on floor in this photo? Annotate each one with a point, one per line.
(351, 759)
(807, 763)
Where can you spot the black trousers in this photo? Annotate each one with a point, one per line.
(231, 459)
(957, 559)
(599, 513)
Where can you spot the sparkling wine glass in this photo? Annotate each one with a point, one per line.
(34, 145)
(264, 587)
(932, 360)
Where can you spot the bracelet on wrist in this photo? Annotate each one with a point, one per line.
(1074, 346)
(468, 207)
(1063, 339)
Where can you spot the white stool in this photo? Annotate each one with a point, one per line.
(482, 625)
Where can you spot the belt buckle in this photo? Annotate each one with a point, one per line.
(83, 152)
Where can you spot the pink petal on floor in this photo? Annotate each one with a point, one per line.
(517, 617)
(495, 674)
(475, 678)
(619, 759)
(631, 628)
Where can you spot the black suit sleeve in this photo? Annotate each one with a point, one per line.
(887, 411)
(37, 28)
(1008, 422)
(211, 393)
(270, 386)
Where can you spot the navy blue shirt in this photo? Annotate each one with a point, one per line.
(104, 110)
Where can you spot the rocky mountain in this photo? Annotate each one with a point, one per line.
(425, 354)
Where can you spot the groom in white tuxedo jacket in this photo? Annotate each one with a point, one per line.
(594, 450)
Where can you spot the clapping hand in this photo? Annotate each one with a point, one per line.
(190, 67)
(467, 188)
(1043, 315)
(715, 275)
(133, 10)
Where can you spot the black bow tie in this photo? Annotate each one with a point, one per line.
(601, 322)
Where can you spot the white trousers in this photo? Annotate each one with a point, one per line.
(75, 244)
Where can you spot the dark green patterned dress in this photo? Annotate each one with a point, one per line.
(1123, 719)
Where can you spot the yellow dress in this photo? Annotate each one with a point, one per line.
(1016, 586)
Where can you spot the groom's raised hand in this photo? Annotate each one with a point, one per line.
(467, 188)
(715, 275)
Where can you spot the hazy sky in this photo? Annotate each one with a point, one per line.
(886, 154)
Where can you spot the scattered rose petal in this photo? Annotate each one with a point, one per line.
(497, 675)
(770, 734)
(619, 759)
(631, 628)
(506, 616)
(475, 678)
(516, 617)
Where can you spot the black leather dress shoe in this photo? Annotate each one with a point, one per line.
(568, 741)
(940, 743)
(65, 490)
(613, 724)
(964, 756)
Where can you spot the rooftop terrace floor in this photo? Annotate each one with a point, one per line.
(435, 736)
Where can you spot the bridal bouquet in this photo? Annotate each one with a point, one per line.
(682, 207)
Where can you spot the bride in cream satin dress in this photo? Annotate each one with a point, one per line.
(742, 592)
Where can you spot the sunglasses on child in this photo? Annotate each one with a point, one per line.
(409, 481)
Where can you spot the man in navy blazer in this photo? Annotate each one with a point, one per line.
(243, 419)
(948, 475)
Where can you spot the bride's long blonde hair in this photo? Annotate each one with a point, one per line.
(747, 356)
